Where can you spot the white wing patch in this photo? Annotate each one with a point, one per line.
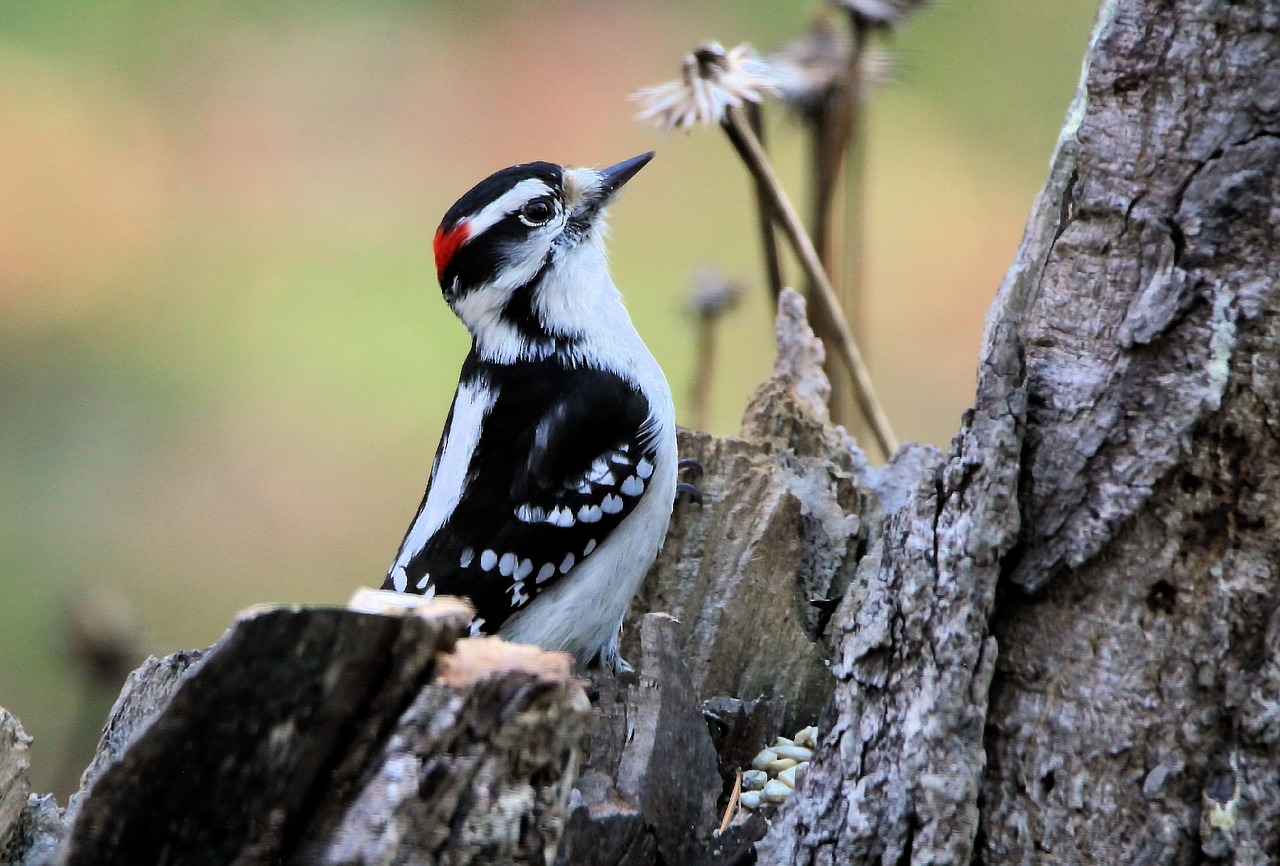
(470, 406)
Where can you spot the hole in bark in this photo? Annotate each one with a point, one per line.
(1162, 597)
(1190, 483)
(1179, 242)
(1221, 787)
(1214, 523)
(1048, 781)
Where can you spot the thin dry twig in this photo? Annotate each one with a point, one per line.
(748, 146)
(712, 297)
(768, 233)
(732, 808)
(835, 123)
(714, 87)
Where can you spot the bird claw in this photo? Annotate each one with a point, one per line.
(689, 490)
(694, 468)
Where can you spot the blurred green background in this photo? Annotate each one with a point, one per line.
(225, 359)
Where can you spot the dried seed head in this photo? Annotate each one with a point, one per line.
(809, 67)
(711, 81)
(104, 633)
(713, 293)
(882, 12)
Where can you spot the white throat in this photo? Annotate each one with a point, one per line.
(577, 303)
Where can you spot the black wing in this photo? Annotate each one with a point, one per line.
(564, 457)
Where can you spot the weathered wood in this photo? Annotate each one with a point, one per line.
(252, 732)
(477, 770)
(1133, 712)
(783, 521)
(669, 766)
(899, 762)
(145, 695)
(323, 736)
(1119, 460)
(15, 760)
(651, 793)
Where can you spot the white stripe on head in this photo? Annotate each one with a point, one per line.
(471, 405)
(481, 307)
(507, 203)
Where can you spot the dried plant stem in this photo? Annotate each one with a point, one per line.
(768, 235)
(700, 393)
(732, 809)
(748, 146)
(833, 123)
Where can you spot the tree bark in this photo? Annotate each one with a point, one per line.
(1066, 648)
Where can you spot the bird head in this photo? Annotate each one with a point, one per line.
(520, 257)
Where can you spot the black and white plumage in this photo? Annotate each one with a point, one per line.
(553, 483)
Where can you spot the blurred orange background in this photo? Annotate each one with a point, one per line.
(225, 358)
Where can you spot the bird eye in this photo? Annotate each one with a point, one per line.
(537, 212)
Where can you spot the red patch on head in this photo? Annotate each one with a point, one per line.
(447, 243)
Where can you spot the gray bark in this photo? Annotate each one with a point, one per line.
(1065, 648)
(783, 520)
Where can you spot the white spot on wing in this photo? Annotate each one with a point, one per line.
(527, 513)
(611, 504)
(488, 560)
(644, 469)
(424, 580)
(566, 563)
(430, 592)
(632, 486)
(599, 472)
(399, 579)
(523, 569)
(507, 565)
(467, 555)
(620, 458)
(591, 545)
(475, 626)
(589, 514)
(560, 516)
(545, 573)
(518, 596)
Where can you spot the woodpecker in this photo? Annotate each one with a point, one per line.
(554, 480)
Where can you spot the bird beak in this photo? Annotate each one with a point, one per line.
(613, 177)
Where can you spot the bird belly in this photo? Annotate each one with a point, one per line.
(582, 613)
